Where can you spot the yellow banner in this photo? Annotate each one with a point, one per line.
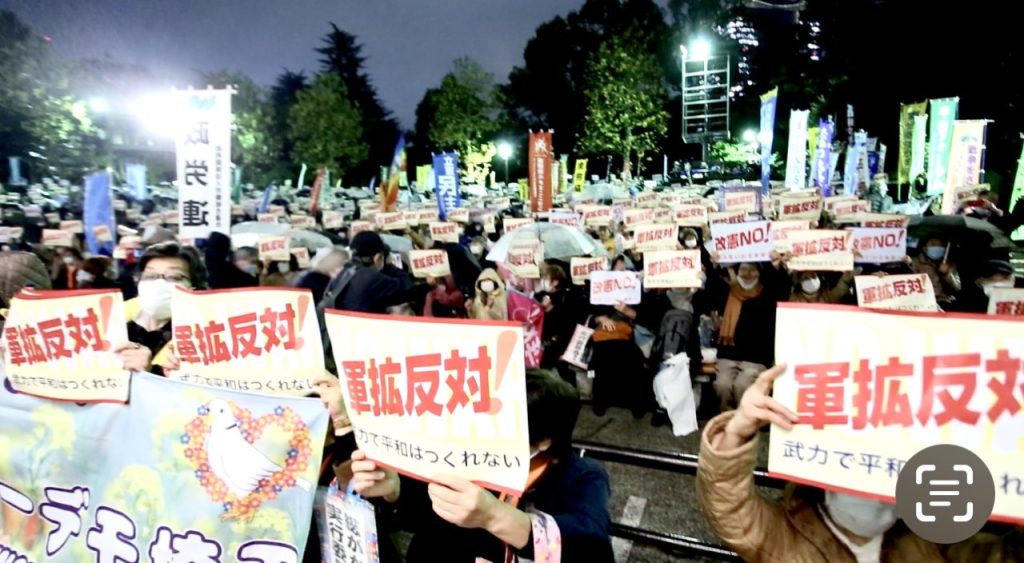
(429, 263)
(964, 159)
(820, 250)
(263, 340)
(668, 269)
(581, 266)
(275, 248)
(579, 178)
(436, 397)
(59, 345)
(874, 388)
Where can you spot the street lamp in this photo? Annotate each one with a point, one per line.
(505, 153)
(700, 50)
(705, 89)
(98, 105)
(750, 136)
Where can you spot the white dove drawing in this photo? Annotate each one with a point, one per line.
(232, 459)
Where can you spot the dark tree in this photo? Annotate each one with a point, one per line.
(342, 55)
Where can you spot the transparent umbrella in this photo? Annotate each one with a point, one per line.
(397, 243)
(604, 191)
(560, 242)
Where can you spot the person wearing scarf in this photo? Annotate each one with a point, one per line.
(563, 516)
(745, 309)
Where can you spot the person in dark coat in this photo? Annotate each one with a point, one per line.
(220, 266)
(975, 296)
(369, 282)
(324, 269)
(456, 521)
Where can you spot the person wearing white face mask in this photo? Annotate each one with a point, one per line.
(995, 275)
(805, 525)
(934, 260)
(161, 267)
(808, 287)
(744, 310)
(489, 302)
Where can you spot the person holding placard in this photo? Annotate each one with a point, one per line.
(456, 521)
(620, 377)
(563, 310)
(934, 259)
(810, 287)
(744, 310)
(975, 297)
(490, 300)
(161, 267)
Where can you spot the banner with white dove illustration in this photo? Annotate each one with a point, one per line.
(181, 473)
(428, 397)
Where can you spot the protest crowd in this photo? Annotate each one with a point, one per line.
(663, 298)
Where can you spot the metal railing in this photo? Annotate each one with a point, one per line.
(664, 461)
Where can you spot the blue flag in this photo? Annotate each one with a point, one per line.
(268, 194)
(98, 210)
(446, 185)
(768, 103)
(15, 178)
(135, 177)
(823, 157)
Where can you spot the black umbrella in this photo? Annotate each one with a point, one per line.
(967, 231)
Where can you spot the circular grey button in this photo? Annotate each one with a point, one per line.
(945, 493)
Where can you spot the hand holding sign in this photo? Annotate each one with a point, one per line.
(461, 502)
(373, 481)
(757, 408)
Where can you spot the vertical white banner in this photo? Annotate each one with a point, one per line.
(796, 158)
(203, 147)
(917, 146)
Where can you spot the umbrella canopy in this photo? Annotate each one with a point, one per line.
(968, 231)
(560, 242)
(396, 243)
(309, 239)
(253, 227)
(603, 191)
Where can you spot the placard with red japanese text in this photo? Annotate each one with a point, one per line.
(275, 248)
(910, 292)
(427, 397)
(879, 245)
(716, 217)
(596, 215)
(513, 224)
(691, 215)
(609, 288)
(390, 221)
(781, 230)
(804, 208)
(742, 242)
(668, 269)
(873, 388)
(357, 227)
(429, 263)
(656, 237)
(581, 266)
(445, 232)
(333, 219)
(524, 258)
(261, 340)
(59, 345)
(1006, 301)
(820, 250)
(57, 237)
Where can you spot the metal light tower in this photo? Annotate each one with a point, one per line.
(706, 84)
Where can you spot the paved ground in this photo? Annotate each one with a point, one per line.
(668, 499)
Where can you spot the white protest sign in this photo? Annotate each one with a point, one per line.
(667, 269)
(609, 288)
(596, 215)
(639, 216)
(911, 292)
(716, 217)
(879, 246)
(444, 232)
(691, 215)
(743, 242)
(781, 230)
(513, 224)
(656, 237)
(524, 259)
(1006, 301)
(581, 266)
(820, 250)
(429, 263)
(275, 248)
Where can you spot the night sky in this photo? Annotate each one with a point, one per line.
(409, 44)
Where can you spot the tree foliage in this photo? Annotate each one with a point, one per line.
(255, 143)
(341, 55)
(461, 112)
(40, 118)
(625, 100)
(326, 128)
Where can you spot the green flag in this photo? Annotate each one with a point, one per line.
(943, 114)
(907, 114)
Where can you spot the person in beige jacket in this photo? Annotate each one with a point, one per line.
(808, 524)
(490, 301)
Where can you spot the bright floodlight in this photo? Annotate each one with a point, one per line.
(157, 115)
(98, 105)
(700, 50)
(749, 136)
(504, 151)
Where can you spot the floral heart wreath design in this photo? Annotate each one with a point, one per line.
(194, 440)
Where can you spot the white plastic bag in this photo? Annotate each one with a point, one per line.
(674, 393)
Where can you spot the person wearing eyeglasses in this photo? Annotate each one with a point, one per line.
(161, 267)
